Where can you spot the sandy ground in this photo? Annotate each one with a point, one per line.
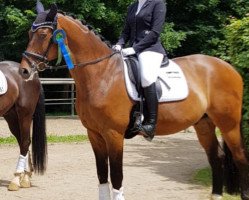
(160, 170)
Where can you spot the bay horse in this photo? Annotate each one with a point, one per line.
(20, 105)
(103, 104)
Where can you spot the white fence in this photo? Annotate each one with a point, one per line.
(70, 93)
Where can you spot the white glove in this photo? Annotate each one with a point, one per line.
(117, 47)
(128, 51)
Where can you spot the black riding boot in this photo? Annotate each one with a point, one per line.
(151, 101)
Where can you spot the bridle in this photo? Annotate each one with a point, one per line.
(43, 61)
(39, 62)
(32, 57)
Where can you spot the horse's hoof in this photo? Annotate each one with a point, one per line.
(25, 181)
(14, 186)
(215, 197)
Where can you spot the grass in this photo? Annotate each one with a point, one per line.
(67, 138)
(8, 140)
(50, 139)
(204, 177)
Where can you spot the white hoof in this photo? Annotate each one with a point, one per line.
(15, 183)
(118, 194)
(215, 197)
(104, 192)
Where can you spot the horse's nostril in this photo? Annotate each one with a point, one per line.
(25, 73)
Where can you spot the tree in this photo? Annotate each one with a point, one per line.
(14, 24)
(203, 22)
(237, 41)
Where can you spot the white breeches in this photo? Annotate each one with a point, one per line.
(150, 63)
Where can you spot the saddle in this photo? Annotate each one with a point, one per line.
(171, 85)
(133, 68)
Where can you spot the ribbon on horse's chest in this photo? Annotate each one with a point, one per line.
(58, 37)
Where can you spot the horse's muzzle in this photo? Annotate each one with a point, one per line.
(25, 72)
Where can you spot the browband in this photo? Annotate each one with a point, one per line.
(35, 26)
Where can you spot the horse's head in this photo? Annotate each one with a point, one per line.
(84, 45)
(41, 48)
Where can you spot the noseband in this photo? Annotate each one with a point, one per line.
(40, 66)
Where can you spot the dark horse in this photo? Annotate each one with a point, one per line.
(20, 105)
(103, 105)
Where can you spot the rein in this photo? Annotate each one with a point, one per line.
(92, 62)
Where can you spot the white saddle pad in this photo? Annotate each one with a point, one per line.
(3, 83)
(172, 74)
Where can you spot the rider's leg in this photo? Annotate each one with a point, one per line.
(150, 63)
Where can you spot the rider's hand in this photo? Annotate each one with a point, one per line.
(117, 47)
(128, 51)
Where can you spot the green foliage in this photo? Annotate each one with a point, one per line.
(170, 38)
(192, 26)
(15, 18)
(14, 24)
(237, 37)
(203, 22)
(237, 41)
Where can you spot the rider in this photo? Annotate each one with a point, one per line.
(143, 25)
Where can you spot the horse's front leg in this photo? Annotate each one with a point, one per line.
(21, 130)
(101, 155)
(108, 145)
(115, 143)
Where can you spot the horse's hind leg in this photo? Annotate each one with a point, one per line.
(235, 152)
(23, 171)
(206, 134)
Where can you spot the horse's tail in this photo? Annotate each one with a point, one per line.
(231, 172)
(39, 139)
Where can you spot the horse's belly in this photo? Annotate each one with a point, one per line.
(169, 128)
(178, 121)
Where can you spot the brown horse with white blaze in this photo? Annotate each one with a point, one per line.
(103, 105)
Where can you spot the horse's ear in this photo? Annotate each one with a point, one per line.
(39, 7)
(52, 13)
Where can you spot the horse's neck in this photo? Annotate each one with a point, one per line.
(84, 45)
(86, 51)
